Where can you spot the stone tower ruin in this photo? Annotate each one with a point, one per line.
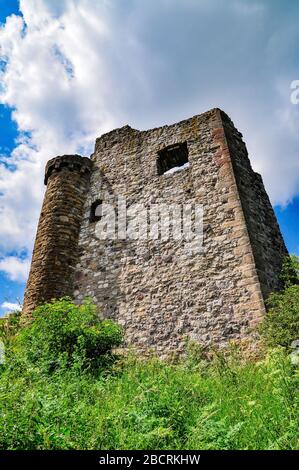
(153, 287)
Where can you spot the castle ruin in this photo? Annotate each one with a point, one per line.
(153, 287)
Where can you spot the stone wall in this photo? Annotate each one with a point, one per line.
(162, 293)
(159, 293)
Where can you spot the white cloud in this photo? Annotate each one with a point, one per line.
(77, 68)
(10, 307)
(15, 268)
(61, 85)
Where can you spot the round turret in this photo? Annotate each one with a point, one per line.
(55, 251)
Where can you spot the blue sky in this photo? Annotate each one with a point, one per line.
(10, 291)
(73, 69)
(7, 7)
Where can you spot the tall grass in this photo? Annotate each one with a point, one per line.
(62, 388)
(135, 404)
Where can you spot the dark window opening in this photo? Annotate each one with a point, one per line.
(96, 211)
(172, 156)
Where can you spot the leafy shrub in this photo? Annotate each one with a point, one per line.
(290, 271)
(64, 333)
(281, 324)
(9, 326)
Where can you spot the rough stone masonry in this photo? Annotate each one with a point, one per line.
(159, 293)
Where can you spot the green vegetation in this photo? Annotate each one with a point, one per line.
(281, 325)
(62, 387)
(290, 271)
(64, 333)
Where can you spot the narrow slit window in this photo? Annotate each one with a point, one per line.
(96, 211)
(172, 158)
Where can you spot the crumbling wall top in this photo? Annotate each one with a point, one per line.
(72, 162)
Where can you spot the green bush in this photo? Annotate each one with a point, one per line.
(281, 324)
(290, 271)
(63, 333)
(9, 326)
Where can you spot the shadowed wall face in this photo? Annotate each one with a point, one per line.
(56, 246)
(266, 240)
